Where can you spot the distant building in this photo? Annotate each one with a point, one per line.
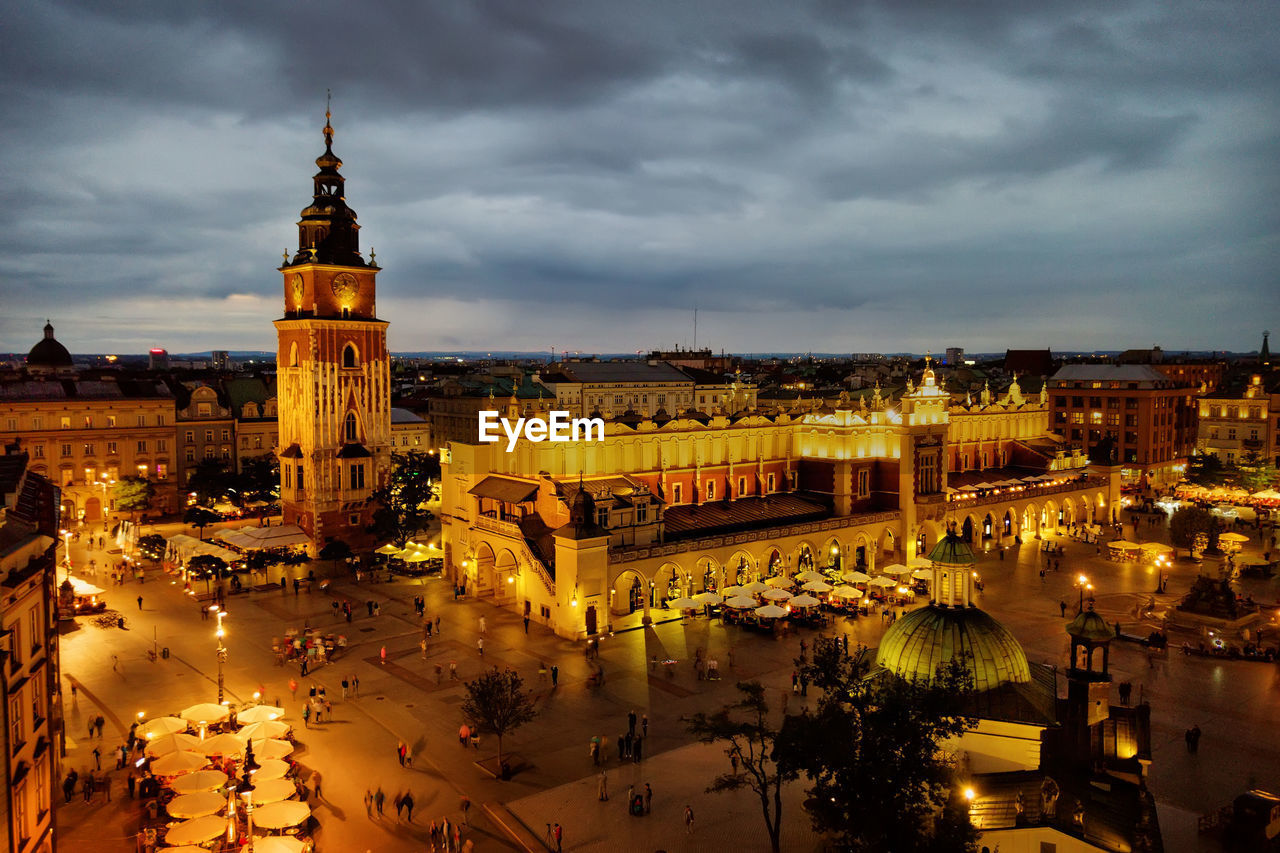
(220, 359)
(253, 406)
(1203, 373)
(159, 359)
(1241, 419)
(955, 356)
(29, 678)
(1028, 362)
(410, 432)
(699, 358)
(1151, 418)
(205, 428)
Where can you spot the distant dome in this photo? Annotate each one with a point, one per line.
(48, 352)
(921, 641)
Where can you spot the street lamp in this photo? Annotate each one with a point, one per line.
(222, 649)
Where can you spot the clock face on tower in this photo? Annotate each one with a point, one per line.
(298, 289)
(345, 285)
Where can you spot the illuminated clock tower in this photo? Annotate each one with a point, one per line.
(333, 373)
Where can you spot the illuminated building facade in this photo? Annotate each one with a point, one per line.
(581, 535)
(333, 373)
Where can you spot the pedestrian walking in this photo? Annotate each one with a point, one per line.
(602, 786)
(400, 750)
(631, 722)
(346, 683)
(355, 685)
(315, 783)
(399, 803)
(437, 624)
(480, 645)
(408, 806)
(368, 802)
(466, 807)
(97, 758)
(688, 820)
(99, 722)
(139, 602)
(558, 834)
(644, 725)
(293, 688)
(132, 783)
(383, 655)
(482, 624)
(555, 675)
(635, 750)
(378, 799)
(648, 798)
(526, 624)
(306, 716)
(1062, 607)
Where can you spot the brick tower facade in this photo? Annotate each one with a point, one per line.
(334, 376)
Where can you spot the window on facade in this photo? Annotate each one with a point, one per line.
(88, 450)
(742, 486)
(37, 423)
(12, 424)
(142, 447)
(711, 490)
(162, 470)
(350, 430)
(357, 476)
(602, 516)
(1231, 433)
(208, 452)
(1077, 417)
(349, 356)
(288, 476)
(191, 455)
(111, 448)
(864, 483)
(772, 479)
(257, 442)
(1113, 420)
(159, 420)
(642, 513)
(1060, 402)
(191, 437)
(38, 451)
(1095, 417)
(42, 786)
(675, 493)
(66, 450)
(1077, 401)
(88, 422)
(208, 435)
(226, 452)
(226, 435)
(66, 422)
(204, 410)
(301, 477)
(17, 731)
(162, 445)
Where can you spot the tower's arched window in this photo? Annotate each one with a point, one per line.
(349, 356)
(293, 355)
(349, 429)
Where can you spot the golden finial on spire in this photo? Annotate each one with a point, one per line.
(328, 128)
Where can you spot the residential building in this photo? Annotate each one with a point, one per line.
(85, 430)
(613, 388)
(954, 356)
(205, 427)
(252, 401)
(1151, 418)
(1241, 418)
(410, 432)
(159, 359)
(31, 702)
(333, 371)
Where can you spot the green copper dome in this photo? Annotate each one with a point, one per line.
(951, 550)
(927, 638)
(1090, 626)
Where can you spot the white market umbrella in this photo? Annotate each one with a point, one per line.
(177, 763)
(776, 594)
(165, 744)
(271, 790)
(197, 831)
(707, 598)
(920, 563)
(387, 549)
(922, 574)
(847, 591)
(276, 843)
(161, 726)
(779, 582)
(771, 611)
(417, 557)
(281, 815)
(741, 602)
(223, 744)
(270, 768)
(1156, 548)
(683, 603)
(201, 780)
(271, 748)
(856, 577)
(817, 586)
(756, 587)
(731, 591)
(894, 569)
(259, 714)
(804, 601)
(265, 729)
(1238, 538)
(196, 805)
(882, 581)
(809, 575)
(205, 713)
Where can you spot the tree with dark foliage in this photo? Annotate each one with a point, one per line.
(401, 503)
(497, 704)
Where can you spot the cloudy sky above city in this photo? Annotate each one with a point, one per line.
(822, 176)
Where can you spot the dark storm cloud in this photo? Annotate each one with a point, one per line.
(814, 176)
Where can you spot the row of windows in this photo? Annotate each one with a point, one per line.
(113, 448)
(190, 435)
(85, 422)
(93, 476)
(355, 476)
(1235, 412)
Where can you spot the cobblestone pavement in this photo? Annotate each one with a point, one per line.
(1233, 702)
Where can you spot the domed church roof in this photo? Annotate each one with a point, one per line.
(925, 639)
(1090, 626)
(951, 550)
(48, 352)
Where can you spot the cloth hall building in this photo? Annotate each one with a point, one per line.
(590, 536)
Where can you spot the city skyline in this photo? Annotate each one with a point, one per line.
(877, 179)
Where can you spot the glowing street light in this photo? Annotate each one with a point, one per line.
(222, 648)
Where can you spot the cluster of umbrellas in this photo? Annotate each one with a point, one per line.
(182, 760)
(412, 552)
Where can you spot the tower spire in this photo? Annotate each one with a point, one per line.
(328, 116)
(328, 232)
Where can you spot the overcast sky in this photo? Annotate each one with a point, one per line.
(825, 176)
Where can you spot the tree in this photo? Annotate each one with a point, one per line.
(1256, 471)
(401, 501)
(1206, 469)
(259, 478)
(874, 753)
(1188, 523)
(496, 704)
(744, 728)
(198, 516)
(206, 566)
(210, 481)
(133, 494)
